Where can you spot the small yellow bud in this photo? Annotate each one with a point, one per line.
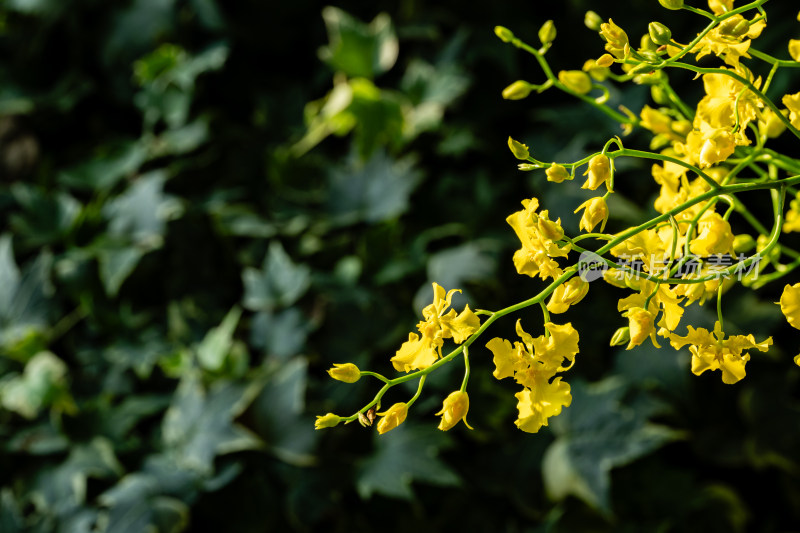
(517, 90)
(794, 49)
(671, 4)
(659, 33)
(621, 336)
(557, 173)
(519, 150)
(549, 229)
(567, 294)
(527, 167)
(682, 127)
(659, 95)
(576, 80)
(770, 124)
(646, 44)
(392, 417)
(454, 409)
(547, 33)
(347, 372)
(613, 34)
(595, 212)
(641, 324)
(599, 172)
(328, 421)
(605, 60)
(592, 21)
(734, 26)
(761, 245)
(504, 34)
(743, 243)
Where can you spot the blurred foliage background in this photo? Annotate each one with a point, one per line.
(204, 205)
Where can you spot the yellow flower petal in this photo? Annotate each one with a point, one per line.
(415, 354)
(790, 304)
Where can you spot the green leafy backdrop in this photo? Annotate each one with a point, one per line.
(204, 205)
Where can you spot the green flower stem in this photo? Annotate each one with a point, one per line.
(375, 375)
(719, 307)
(781, 271)
(466, 371)
(619, 117)
(661, 157)
(686, 111)
(772, 60)
(546, 315)
(413, 399)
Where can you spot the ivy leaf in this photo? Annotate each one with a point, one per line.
(279, 283)
(218, 342)
(137, 224)
(46, 217)
(282, 334)
(596, 434)
(356, 48)
(103, 171)
(199, 425)
(24, 299)
(141, 213)
(136, 504)
(374, 191)
(42, 384)
(405, 454)
(10, 516)
(63, 489)
(279, 413)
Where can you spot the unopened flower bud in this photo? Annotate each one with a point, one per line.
(641, 324)
(576, 80)
(605, 60)
(659, 95)
(659, 33)
(454, 409)
(592, 21)
(567, 294)
(549, 229)
(347, 372)
(613, 34)
(621, 336)
(519, 150)
(557, 173)
(547, 33)
(527, 167)
(646, 43)
(770, 124)
(671, 4)
(599, 172)
(504, 34)
(328, 421)
(743, 243)
(735, 26)
(517, 90)
(682, 127)
(392, 417)
(595, 212)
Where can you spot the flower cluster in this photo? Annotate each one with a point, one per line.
(704, 162)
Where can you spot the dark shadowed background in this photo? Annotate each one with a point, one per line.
(193, 231)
